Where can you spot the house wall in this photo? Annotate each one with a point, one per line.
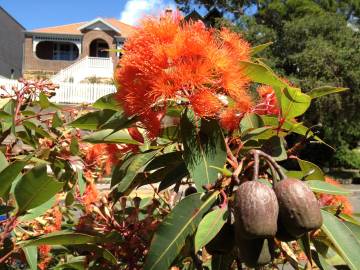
(34, 65)
(11, 45)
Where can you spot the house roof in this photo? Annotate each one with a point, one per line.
(75, 28)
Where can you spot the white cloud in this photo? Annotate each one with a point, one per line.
(136, 9)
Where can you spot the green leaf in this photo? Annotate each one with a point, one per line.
(325, 90)
(263, 133)
(61, 238)
(74, 146)
(164, 160)
(3, 102)
(31, 255)
(251, 121)
(92, 120)
(56, 121)
(261, 74)
(178, 172)
(75, 263)
(137, 165)
(209, 227)
(255, 50)
(321, 261)
(178, 225)
(203, 149)
(9, 174)
(38, 211)
(343, 238)
(327, 188)
(38, 129)
(293, 102)
(107, 102)
(275, 148)
(81, 182)
(35, 188)
(109, 136)
(3, 161)
(307, 167)
(44, 101)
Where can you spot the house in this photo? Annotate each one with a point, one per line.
(81, 52)
(11, 45)
(74, 52)
(209, 19)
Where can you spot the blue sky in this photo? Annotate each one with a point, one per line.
(34, 14)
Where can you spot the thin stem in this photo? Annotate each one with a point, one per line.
(273, 173)
(256, 165)
(270, 160)
(161, 198)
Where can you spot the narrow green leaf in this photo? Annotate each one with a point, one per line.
(204, 149)
(31, 255)
(8, 175)
(61, 238)
(325, 90)
(109, 136)
(81, 182)
(209, 227)
(327, 188)
(255, 50)
(293, 102)
(137, 165)
(178, 225)
(107, 102)
(56, 121)
(92, 120)
(74, 146)
(343, 238)
(262, 74)
(307, 167)
(35, 188)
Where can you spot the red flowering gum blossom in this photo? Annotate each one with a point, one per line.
(170, 59)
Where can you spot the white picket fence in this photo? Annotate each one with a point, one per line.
(87, 67)
(71, 93)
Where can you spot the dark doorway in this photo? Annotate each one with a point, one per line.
(99, 48)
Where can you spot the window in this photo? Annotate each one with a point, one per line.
(51, 50)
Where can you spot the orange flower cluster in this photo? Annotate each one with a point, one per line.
(336, 200)
(90, 196)
(170, 59)
(54, 218)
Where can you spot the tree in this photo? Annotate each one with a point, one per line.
(314, 46)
